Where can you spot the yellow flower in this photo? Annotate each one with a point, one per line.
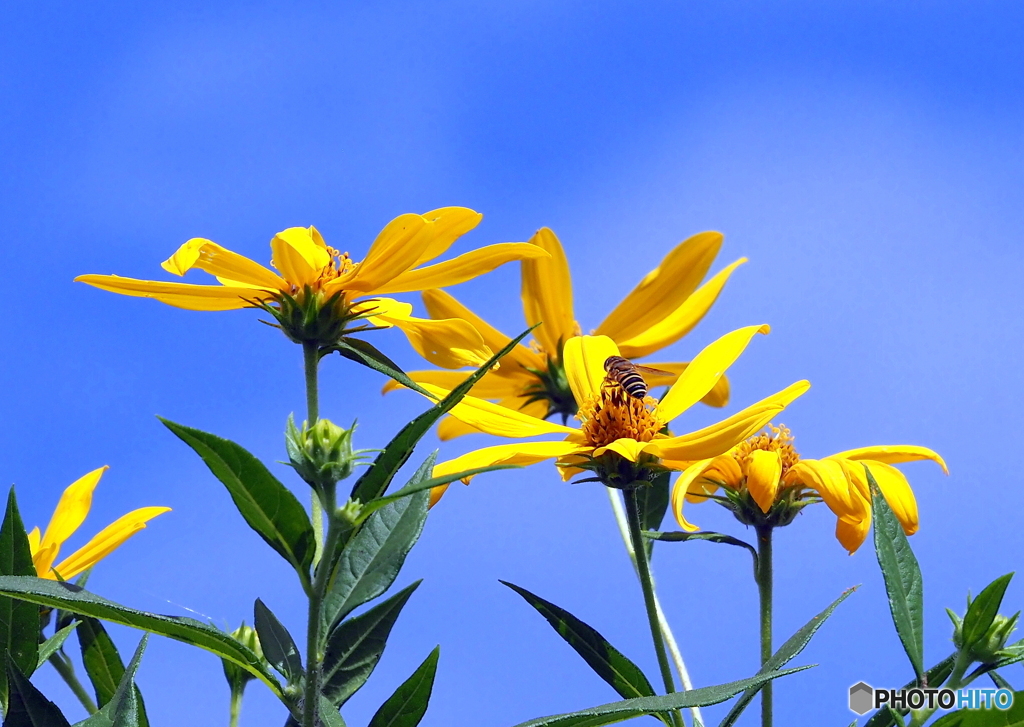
(771, 472)
(614, 422)
(306, 266)
(663, 308)
(70, 514)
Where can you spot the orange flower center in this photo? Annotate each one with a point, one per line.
(777, 439)
(614, 414)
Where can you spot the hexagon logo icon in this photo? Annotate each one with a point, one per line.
(861, 698)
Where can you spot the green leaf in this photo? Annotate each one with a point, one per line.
(626, 709)
(999, 681)
(19, 621)
(902, 577)
(329, 714)
(356, 645)
(374, 482)
(935, 677)
(785, 653)
(1012, 717)
(652, 504)
(708, 535)
(50, 647)
(125, 706)
(371, 560)
(983, 610)
(72, 598)
(278, 645)
(28, 707)
(406, 707)
(358, 350)
(103, 664)
(267, 506)
(609, 663)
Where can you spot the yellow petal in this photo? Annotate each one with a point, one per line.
(724, 471)
(897, 493)
(704, 371)
(625, 447)
(450, 223)
(397, 248)
(450, 343)
(852, 533)
(499, 420)
(717, 397)
(521, 453)
(450, 427)
(491, 386)
(106, 541)
(180, 295)
(69, 514)
(680, 321)
(893, 454)
(463, 268)
(829, 479)
(298, 256)
(683, 485)
(663, 289)
(726, 434)
(223, 263)
(763, 472)
(584, 357)
(547, 294)
(33, 540)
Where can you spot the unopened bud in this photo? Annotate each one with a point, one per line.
(322, 454)
(237, 676)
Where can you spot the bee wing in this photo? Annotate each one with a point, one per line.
(648, 371)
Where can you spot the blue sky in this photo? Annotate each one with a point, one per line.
(866, 158)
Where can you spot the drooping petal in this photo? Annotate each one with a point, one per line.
(298, 256)
(397, 248)
(459, 270)
(893, 454)
(721, 437)
(724, 471)
(449, 343)
(106, 541)
(704, 371)
(33, 540)
(491, 386)
(717, 397)
(897, 493)
(682, 487)
(852, 533)
(499, 420)
(663, 289)
(547, 293)
(179, 295)
(222, 263)
(763, 472)
(450, 223)
(69, 514)
(521, 453)
(450, 427)
(828, 478)
(584, 357)
(680, 321)
(631, 449)
(440, 305)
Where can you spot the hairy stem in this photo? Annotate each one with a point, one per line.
(311, 361)
(764, 593)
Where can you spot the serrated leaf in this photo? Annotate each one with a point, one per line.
(374, 482)
(19, 621)
(267, 506)
(1012, 717)
(708, 535)
(609, 663)
(362, 352)
(406, 707)
(278, 645)
(356, 645)
(652, 504)
(785, 653)
(371, 560)
(53, 644)
(72, 598)
(628, 708)
(28, 707)
(902, 576)
(103, 664)
(983, 611)
(934, 676)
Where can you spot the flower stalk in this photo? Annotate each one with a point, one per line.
(66, 670)
(311, 361)
(764, 595)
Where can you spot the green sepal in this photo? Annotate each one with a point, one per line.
(625, 677)
(619, 711)
(982, 612)
(934, 677)
(19, 621)
(652, 504)
(356, 645)
(53, 644)
(406, 707)
(27, 706)
(902, 576)
(374, 482)
(103, 664)
(188, 630)
(712, 537)
(371, 560)
(362, 352)
(125, 707)
(785, 653)
(268, 507)
(278, 645)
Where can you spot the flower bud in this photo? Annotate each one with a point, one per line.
(321, 454)
(992, 645)
(237, 676)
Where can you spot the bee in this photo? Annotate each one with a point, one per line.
(627, 374)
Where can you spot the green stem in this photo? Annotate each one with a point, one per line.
(236, 705)
(644, 572)
(764, 593)
(66, 670)
(956, 680)
(316, 601)
(311, 362)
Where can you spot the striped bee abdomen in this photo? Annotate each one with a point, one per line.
(624, 373)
